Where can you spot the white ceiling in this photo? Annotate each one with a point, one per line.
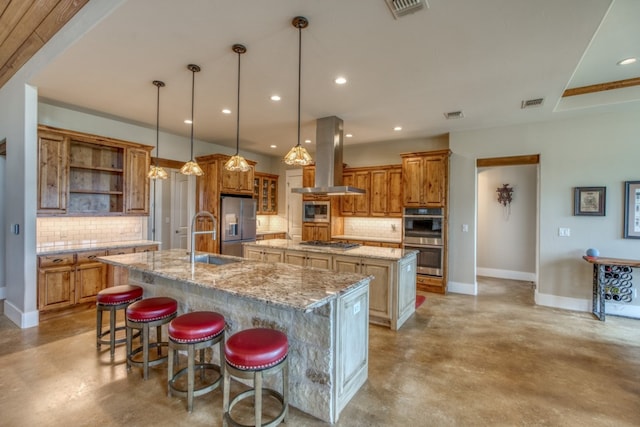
(481, 57)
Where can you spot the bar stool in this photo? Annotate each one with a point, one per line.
(195, 331)
(111, 300)
(250, 354)
(143, 315)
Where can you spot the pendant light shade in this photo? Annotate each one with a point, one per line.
(155, 171)
(298, 155)
(191, 167)
(237, 163)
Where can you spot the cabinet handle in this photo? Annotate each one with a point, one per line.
(57, 260)
(92, 257)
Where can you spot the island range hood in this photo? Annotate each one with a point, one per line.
(329, 140)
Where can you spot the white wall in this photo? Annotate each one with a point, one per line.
(388, 152)
(3, 289)
(507, 234)
(598, 150)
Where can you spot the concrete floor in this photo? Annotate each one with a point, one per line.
(491, 360)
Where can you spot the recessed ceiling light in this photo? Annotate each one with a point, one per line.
(348, 135)
(307, 141)
(272, 146)
(187, 121)
(275, 97)
(397, 128)
(340, 80)
(627, 61)
(226, 111)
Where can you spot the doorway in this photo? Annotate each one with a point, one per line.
(294, 204)
(507, 226)
(172, 205)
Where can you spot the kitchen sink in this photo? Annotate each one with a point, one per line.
(215, 260)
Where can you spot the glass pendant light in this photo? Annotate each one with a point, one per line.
(191, 167)
(298, 155)
(155, 171)
(237, 163)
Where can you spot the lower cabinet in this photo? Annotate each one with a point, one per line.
(313, 231)
(263, 254)
(91, 276)
(56, 281)
(308, 259)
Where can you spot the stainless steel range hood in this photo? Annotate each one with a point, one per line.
(329, 160)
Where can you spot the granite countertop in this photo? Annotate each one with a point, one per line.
(60, 248)
(285, 285)
(368, 239)
(362, 251)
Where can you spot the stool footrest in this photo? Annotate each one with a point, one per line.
(152, 361)
(203, 389)
(248, 393)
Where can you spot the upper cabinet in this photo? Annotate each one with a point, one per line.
(386, 192)
(425, 178)
(357, 205)
(265, 191)
(309, 180)
(82, 174)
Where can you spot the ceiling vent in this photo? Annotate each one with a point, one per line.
(529, 103)
(400, 8)
(454, 115)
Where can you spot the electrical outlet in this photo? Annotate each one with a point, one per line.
(465, 228)
(564, 232)
(356, 308)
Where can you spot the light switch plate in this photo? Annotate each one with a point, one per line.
(564, 232)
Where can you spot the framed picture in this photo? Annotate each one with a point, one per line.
(632, 210)
(589, 201)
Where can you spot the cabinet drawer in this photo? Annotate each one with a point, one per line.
(90, 256)
(56, 260)
(120, 251)
(147, 248)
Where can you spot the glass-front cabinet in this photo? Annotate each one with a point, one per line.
(265, 191)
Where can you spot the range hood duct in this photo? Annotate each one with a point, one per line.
(329, 160)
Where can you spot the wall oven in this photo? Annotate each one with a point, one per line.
(316, 211)
(422, 230)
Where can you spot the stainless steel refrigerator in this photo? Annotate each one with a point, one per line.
(238, 224)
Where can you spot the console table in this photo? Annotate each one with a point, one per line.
(599, 279)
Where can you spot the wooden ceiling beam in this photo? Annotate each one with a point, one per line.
(530, 159)
(600, 87)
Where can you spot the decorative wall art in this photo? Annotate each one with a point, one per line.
(505, 197)
(589, 201)
(632, 210)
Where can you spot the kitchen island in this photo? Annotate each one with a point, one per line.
(324, 315)
(392, 291)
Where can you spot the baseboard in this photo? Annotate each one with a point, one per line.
(506, 274)
(566, 303)
(3, 292)
(462, 288)
(23, 320)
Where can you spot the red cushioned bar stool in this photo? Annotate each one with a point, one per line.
(143, 315)
(193, 331)
(250, 354)
(111, 300)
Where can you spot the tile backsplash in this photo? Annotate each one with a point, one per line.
(373, 227)
(268, 223)
(76, 230)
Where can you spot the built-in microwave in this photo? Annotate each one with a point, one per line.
(315, 211)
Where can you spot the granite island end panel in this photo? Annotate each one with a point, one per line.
(324, 315)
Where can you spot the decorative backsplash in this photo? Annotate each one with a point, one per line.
(268, 223)
(373, 227)
(76, 230)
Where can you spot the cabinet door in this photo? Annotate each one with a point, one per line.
(273, 255)
(394, 193)
(295, 258)
(346, 264)
(434, 175)
(137, 183)
(309, 176)
(56, 287)
(237, 182)
(379, 194)
(380, 288)
(252, 253)
(347, 207)
(308, 231)
(90, 279)
(322, 232)
(361, 202)
(412, 181)
(53, 172)
(317, 260)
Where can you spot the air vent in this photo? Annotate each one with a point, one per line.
(454, 115)
(400, 8)
(529, 103)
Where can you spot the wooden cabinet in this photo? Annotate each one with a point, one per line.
(271, 236)
(309, 180)
(56, 281)
(263, 254)
(425, 178)
(357, 205)
(137, 167)
(315, 231)
(376, 243)
(210, 186)
(53, 163)
(82, 174)
(265, 191)
(309, 259)
(386, 192)
(91, 276)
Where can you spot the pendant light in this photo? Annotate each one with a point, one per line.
(155, 171)
(237, 163)
(298, 155)
(191, 167)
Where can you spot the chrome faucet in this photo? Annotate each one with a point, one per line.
(194, 232)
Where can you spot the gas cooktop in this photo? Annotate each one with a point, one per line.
(330, 244)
